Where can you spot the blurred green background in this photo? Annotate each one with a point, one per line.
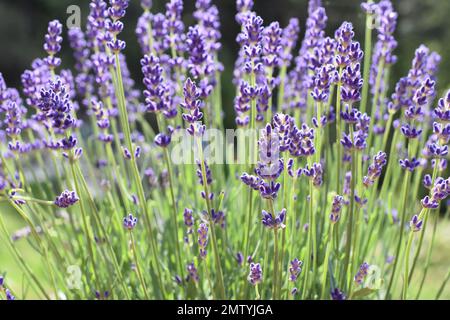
(23, 24)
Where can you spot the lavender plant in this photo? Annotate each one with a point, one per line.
(306, 214)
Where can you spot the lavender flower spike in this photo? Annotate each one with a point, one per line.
(203, 239)
(52, 43)
(362, 273)
(66, 199)
(374, 171)
(338, 202)
(130, 222)
(415, 224)
(295, 269)
(255, 275)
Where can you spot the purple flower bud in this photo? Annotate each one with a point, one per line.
(255, 275)
(202, 239)
(375, 168)
(271, 222)
(192, 273)
(338, 202)
(295, 269)
(415, 224)
(130, 222)
(410, 165)
(9, 295)
(239, 258)
(53, 38)
(362, 273)
(337, 294)
(66, 199)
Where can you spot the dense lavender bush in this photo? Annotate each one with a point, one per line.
(330, 153)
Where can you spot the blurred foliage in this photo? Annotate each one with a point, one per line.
(23, 24)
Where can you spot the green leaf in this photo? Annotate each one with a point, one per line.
(363, 292)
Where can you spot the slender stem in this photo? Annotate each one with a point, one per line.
(338, 135)
(174, 211)
(402, 225)
(428, 261)
(405, 277)
(138, 268)
(325, 261)
(213, 231)
(348, 247)
(135, 171)
(441, 289)
(367, 57)
(84, 217)
(310, 241)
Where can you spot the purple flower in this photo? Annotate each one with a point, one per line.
(315, 173)
(130, 222)
(272, 222)
(410, 165)
(66, 199)
(336, 208)
(253, 182)
(410, 132)
(415, 224)
(375, 168)
(13, 118)
(52, 43)
(386, 44)
(57, 106)
(2, 280)
(201, 63)
(362, 273)
(239, 258)
(202, 239)
(188, 219)
(117, 9)
(442, 111)
(200, 174)
(283, 125)
(337, 294)
(192, 272)
(289, 40)
(299, 78)
(192, 104)
(271, 45)
(9, 295)
(295, 269)
(255, 275)
(302, 142)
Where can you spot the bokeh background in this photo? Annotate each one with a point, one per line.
(23, 24)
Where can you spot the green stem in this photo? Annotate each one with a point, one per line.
(402, 224)
(325, 261)
(138, 268)
(213, 231)
(367, 63)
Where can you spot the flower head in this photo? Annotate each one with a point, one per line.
(415, 224)
(66, 199)
(202, 239)
(130, 222)
(338, 202)
(295, 269)
(362, 273)
(374, 171)
(255, 275)
(337, 294)
(270, 221)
